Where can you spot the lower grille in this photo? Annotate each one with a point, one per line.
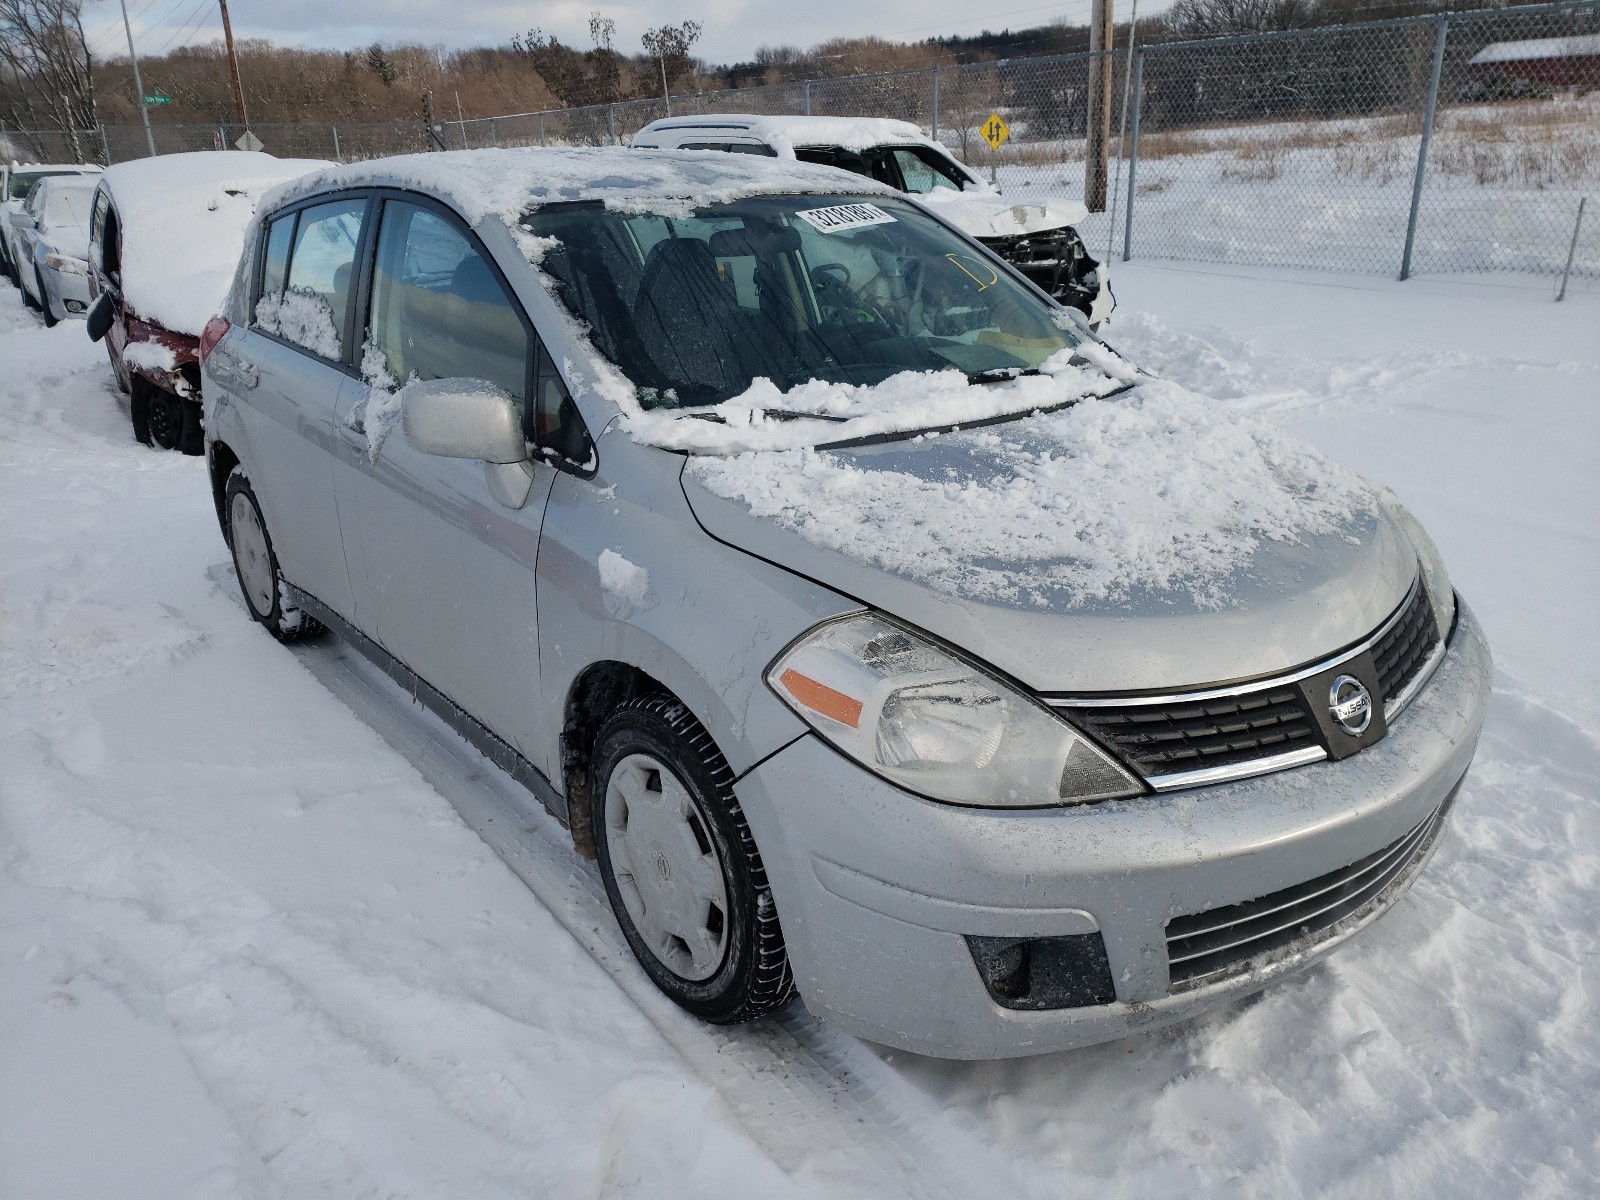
(1206, 946)
(1162, 738)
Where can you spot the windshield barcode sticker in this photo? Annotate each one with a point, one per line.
(844, 216)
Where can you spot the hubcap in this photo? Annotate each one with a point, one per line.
(666, 867)
(250, 555)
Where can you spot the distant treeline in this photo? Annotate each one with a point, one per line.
(534, 71)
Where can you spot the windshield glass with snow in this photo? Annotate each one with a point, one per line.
(789, 289)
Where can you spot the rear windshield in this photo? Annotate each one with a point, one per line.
(789, 288)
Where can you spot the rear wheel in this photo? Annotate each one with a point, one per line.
(265, 594)
(680, 866)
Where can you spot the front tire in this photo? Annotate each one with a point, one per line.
(165, 418)
(256, 564)
(680, 866)
(50, 318)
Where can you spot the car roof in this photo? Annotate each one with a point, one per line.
(508, 183)
(853, 133)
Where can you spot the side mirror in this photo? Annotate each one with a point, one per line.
(470, 418)
(100, 316)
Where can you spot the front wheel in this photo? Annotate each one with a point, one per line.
(50, 318)
(680, 866)
(257, 566)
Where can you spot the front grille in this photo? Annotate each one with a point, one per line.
(1402, 651)
(1166, 737)
(1205, 946)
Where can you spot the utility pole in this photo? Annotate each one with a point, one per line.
(233, 66)
(1099, 124)
(138, 83)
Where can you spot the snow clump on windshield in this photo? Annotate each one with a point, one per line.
(1159, 490)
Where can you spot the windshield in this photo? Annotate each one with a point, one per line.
(789, 289)
(68, 204)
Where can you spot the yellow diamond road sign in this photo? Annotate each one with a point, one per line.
(995, 131)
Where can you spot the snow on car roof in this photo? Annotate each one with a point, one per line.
(852, 133)
(1582, 46)
(183, 219)
(507, 183)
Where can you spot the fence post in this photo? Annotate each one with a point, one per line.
(1133, 154)
(934, 129)
(611, 122)
(1572, 248)
(541, 129)
(808, 97)
(337, 156)
(1443, 25)
(105, 144)
(494, 133)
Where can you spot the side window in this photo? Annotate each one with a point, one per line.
(921, 175)
(111, 245)
(556, 425)
(753, 148)
(438, 310)
(311, 303)
(97, 227)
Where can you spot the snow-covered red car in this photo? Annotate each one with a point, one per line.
(1037, 237)
(165, 235)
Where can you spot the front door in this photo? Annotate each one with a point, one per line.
(445, 573)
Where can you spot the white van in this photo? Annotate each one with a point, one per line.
(1038, 238)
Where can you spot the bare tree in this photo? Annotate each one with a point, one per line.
(1216, 18)
(43, 48)
(669, 46)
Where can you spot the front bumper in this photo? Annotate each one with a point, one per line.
(60, 287)
(878, 890)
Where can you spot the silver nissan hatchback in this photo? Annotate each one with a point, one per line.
(883, 634)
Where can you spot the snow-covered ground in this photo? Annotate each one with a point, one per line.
(266, 930)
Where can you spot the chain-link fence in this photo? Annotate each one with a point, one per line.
(1462, 142)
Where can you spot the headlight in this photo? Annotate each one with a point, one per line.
(936, 725)
(66, 264)
(1434, 577)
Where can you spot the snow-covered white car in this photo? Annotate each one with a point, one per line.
(16, 181)
(907, 647)
(1039, 238)
(165, 237)
(52, 243)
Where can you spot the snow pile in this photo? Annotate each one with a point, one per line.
(1159, 490)
(304, 318)
(149, 356)
(626, 584)
(508, 183)
(818, 412)
(184, 218)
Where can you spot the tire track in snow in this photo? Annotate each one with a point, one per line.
(815, 1100)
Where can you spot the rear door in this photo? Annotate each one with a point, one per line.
(444, 572)
(288, 367)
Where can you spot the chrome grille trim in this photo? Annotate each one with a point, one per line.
(1255, 685)
(1174, 780)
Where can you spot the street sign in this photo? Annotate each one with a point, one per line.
(248, 141)
(158, 99)
(995, 131)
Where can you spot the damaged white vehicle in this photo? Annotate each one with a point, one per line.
(1039, 238)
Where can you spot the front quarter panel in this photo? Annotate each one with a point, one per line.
(701, 618)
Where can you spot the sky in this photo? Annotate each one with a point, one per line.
(733, 29)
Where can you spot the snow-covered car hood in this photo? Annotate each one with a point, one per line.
(989, 214)
(1147, 541)
(66, 239)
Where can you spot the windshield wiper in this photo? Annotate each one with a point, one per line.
(1000, 374)
(772, 414)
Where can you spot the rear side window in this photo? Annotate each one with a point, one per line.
(275, 266)
(438, 309)
(309, 306)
